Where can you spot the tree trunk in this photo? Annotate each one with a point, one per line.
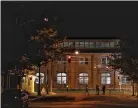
(114, 80)
(51, 77)
(47, 82)
(5, 81)
(137, 92)
(133, 92)
(39, 91)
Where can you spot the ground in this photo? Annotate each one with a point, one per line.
(81, 100)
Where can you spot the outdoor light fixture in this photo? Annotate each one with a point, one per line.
(76, 52)
(69, 59)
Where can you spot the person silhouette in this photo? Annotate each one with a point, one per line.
(86, 90)
(103, 89)
(97, 89)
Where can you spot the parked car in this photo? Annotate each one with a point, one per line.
(14, 98)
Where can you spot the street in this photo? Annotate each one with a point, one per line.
(84, 101)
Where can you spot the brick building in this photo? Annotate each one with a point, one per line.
(88, 66)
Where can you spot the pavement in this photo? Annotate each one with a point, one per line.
(81, 100)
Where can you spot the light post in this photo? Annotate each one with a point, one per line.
(76, 53)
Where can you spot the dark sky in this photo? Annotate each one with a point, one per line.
(81, 19)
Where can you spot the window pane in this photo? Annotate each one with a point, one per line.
(59, 74)
(86, 60)
(63, 74)
(102, 45)
(63, 80)
(77, 44)
(105, 78)
(81, 80)
(61, 44)
(123, 80)
(98, 44)
(85, 74)
(108, 60)
(92, 44)
(106, 44)
(66, 44)
(82, 60)
(108, 80)
(104, 61)
(82, 44)
(85, 80)
(86, 44)
(58, 80)
(103, 74)
(81, 74)
(112, 44)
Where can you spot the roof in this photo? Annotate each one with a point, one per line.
(95, 37)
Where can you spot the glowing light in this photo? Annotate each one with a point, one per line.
(45, 19)
(107, 67)
(76, 52)
(69, 57)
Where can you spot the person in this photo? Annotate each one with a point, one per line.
(97, 89)
(103, 89)
(86, 89)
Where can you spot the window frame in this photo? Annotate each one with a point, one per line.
(107, 60)
(105, 77)
(61, 78)
(82, 78)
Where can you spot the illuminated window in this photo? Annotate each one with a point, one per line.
(76, 44)
(112, 44)
(105, 78)
(41, 78)
(92, 44)
(81, 44)
(83, 60)
(105, 60)
(98, 44)
(86, 44)
(61, 44)
(61, 78)
(66, 44)
(123, 79)
(71, 44)
(62, 60)
(106, 44)
(83, 78)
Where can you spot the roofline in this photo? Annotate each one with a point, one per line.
(95, 37)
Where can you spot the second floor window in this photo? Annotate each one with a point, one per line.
(83, 60)
(62, 60)
(105, 60)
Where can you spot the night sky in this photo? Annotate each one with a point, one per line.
(80, 19)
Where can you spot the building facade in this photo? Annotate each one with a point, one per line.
(89, 66)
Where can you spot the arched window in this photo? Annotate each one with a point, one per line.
(106, 78)
(83, 78)
(61, 78)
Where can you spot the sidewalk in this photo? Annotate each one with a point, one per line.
(33, 97)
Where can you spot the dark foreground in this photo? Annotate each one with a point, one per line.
(83, 101)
